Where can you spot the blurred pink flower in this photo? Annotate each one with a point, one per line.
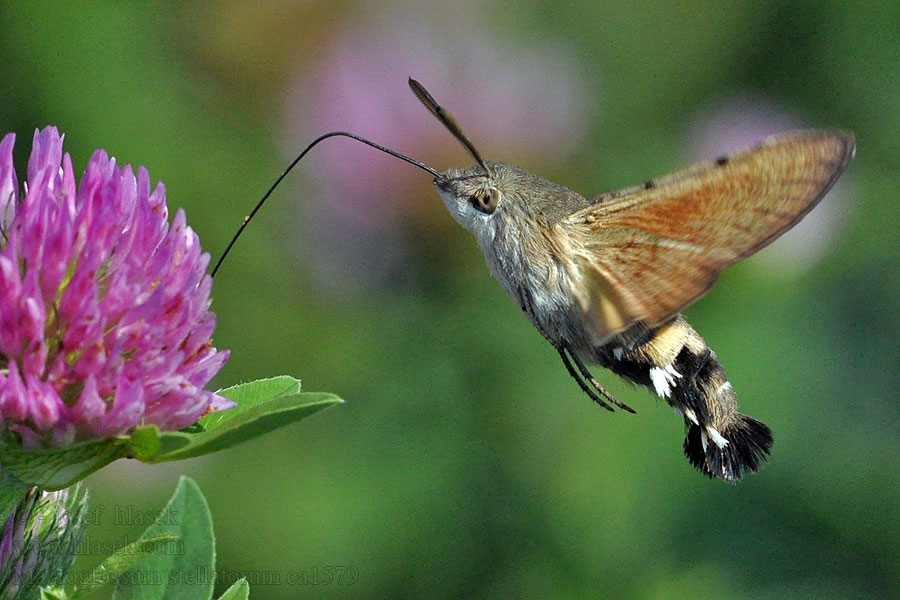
(513, 100)
(744, 120)
(104, 320)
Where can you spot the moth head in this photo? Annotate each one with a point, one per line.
(470, 194)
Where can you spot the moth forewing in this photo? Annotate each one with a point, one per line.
(662, 244)
(647, 283)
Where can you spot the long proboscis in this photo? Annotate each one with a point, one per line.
(265, 197)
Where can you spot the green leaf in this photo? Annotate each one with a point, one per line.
(12, 491)
(58, 468)
(145, 441)
(239, 591)
(250, 394)
(263, 406)
(53, 593)
(112, 568)
(253, 423)
(188, 571)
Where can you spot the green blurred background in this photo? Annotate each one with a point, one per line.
(465, 463)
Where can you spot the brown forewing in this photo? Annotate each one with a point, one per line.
(646, 252)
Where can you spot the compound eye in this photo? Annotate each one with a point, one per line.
(485, 200)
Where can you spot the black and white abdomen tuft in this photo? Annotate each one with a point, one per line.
(677, 364)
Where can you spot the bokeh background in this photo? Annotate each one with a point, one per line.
(465, 463)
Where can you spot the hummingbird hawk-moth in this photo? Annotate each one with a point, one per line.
(604, 279)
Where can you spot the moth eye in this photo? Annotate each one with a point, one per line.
(485, 200)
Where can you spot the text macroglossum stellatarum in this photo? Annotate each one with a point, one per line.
(604, 279)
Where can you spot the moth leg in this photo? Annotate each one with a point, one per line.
(590, 378)
(581, 383)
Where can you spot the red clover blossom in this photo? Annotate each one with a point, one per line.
(104, 306)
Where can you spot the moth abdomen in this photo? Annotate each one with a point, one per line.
(749, 443)
(678, 365)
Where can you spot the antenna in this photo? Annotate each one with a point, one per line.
(265, 197)
(449, 122)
